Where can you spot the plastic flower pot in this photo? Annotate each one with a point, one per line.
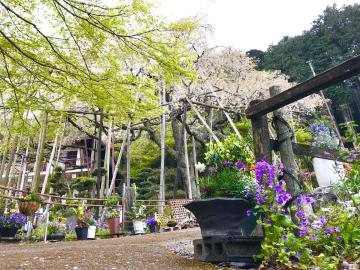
(91, 232)
(328, 172)
(81, 233)
(114, 225)
(8, 232)
(28, 207)
(139, 226)
(56, 237)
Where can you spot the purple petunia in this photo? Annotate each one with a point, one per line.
(227, 163)
(249, 213)
(328, 231)
(303, 232)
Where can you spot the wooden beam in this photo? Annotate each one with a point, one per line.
(304, 89)
(314, 151)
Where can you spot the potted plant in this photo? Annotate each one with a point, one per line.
(226, 187)
(30, 204)
(153, 224)
(112, 214)
(54, 232)
(81, 228)
(90, 222)
(137, 215)
(10, 224)
(327, 171)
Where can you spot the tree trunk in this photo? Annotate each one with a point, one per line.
(11, 160)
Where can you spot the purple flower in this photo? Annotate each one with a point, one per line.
(303, 232)
(312, 236)
(339, 238)
(323, 220)
(240, 165)
(249, 213)
(249, 194)
(151, 222)
(327, 231)
(284, 237)
(227, 163)
(336, 229)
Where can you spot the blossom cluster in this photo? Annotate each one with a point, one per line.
(270, 190)
(14, 220)
(151, 222)
(322, 136)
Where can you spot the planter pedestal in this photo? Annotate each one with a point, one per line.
(228, 249)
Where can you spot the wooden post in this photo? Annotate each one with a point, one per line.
(162, 149)
(285, 147)
(186, 156)
(261, 137)
(128, 200)
(99, 174)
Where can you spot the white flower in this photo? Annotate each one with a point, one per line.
(200, 167)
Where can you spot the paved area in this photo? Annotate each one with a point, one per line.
(151, 251)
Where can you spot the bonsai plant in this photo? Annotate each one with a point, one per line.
(30, 204)
(112, 214)
(138, 215)
(327, 171)
(10, 224)
(171, 223)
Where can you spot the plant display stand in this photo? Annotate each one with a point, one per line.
(228, 249)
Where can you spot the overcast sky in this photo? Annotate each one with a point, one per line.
(250, 24)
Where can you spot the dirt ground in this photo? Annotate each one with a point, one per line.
(151, 251)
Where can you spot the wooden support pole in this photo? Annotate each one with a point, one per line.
(186, 157)
(202, 120)
(285, 147)
(261, 136)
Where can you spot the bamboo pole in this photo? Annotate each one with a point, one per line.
(186, 156)
(128, 161)
(162, 150)
(196, 186)
(48, 168)
(12, 156)
(39, 154)
(122, 148)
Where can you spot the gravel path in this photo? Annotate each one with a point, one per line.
(171, 250)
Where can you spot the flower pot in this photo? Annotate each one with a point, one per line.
(28, 207)
(139, 226)
(328, 171)
(228, 234)
(8, 232)
(81, 233)
(56, 237)
(223, 217)
(154, 229)
(91, 232)
(114, 225)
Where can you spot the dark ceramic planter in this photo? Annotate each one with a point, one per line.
(55, 237)
(8, 232)
(81, 233)
(154, 229)
(222, 217)
(228, 235)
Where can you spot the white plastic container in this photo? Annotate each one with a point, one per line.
(139, 226)
(328, 172)
(91, 232)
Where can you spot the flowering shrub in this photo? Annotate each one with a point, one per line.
(138, 211)
(229, 179)
(13, 220)
(151, 222)
(85, 219)
(323, 137)
(300, 242)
